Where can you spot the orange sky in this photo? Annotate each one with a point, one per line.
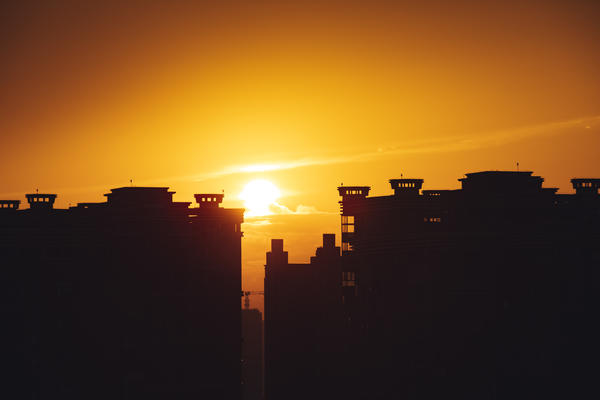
(188, 94)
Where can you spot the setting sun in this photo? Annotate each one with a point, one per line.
(258, 196)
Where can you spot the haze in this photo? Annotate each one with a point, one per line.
(207, 97)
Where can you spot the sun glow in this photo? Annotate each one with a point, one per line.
(259, 195)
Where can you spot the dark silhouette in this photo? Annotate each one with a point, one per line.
(252, 354)
(137, 297)
(486, 292)
(303, 311)
(483, 292)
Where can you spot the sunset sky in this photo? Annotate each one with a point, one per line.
(207, 96)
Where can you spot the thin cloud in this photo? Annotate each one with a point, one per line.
(456, 143)
(257, 221)
(277, 209)
(280, 209)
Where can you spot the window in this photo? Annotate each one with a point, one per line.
(347, 223)
(348, 278)
(346, 246)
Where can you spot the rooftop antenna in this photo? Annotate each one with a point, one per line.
(517, 166)
(36, 190)
(131, 182)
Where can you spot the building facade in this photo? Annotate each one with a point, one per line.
(489, 291)
(252, 354)
(135, 297)
(303, 350)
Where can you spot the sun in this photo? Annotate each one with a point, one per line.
(258, 196)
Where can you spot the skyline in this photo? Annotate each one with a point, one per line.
(429, 292)
(208, 97)
(296, 228)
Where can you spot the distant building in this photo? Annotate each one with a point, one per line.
(303, 349)
(136, 297)
(252, 354)
(486, 292)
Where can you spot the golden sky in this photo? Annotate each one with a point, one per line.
(195, 95)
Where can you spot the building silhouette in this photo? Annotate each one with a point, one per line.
(485, 292)
(252, 354)
(134, 297)
(303, 350)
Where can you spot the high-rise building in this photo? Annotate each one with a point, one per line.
(252, 354)
(135, 297)
(303, 350)
(489, 291)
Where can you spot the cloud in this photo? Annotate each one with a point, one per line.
(449, 144)
(280, 209)
(257, 221)
(277, 209)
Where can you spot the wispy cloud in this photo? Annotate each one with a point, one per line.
(280, 209)
(257, 221)
(450, 144)
(277, 209)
